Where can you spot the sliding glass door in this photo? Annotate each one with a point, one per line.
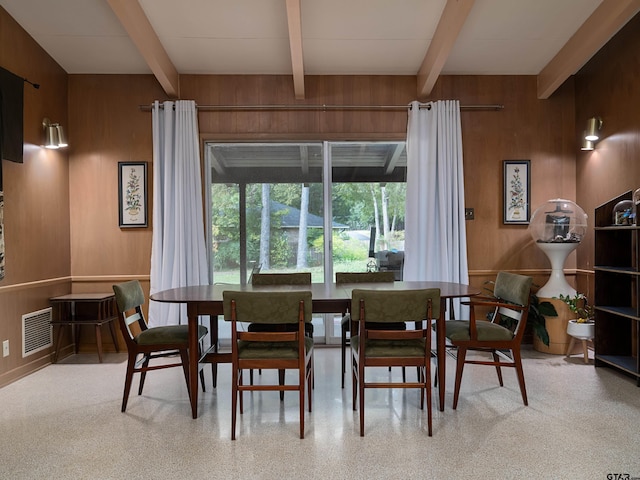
(306, 206)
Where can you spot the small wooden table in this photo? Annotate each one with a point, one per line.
(103, 311)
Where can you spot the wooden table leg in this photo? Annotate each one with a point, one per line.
(441, 355)
(99, 342)
(192, 315)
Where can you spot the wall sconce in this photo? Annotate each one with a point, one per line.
(54, 136)
(587, 145)
(594, 124)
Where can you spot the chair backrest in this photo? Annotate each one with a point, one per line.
(516, 289)
(267, 307)
(298, 278)
(364, 277)
(392, 306)
(129, 299)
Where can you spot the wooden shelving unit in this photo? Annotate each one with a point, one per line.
(617, 275)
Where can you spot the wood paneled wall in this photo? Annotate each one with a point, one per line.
(36, 195)
(608, 87)
(67, 225)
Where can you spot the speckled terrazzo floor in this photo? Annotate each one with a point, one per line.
(64, 422)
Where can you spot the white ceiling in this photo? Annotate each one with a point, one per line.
(345, 37)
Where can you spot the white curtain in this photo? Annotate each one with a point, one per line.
(435, 233)
(178, 254)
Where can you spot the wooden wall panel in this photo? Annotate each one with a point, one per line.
(608, 87)
(36, 194)
(108, 127)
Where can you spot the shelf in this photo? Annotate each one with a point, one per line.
(627, 312)
(621, 270)
(617, 227)
(627, 363)
(617, 291)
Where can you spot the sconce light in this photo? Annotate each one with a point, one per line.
(587, 144)
(54, 136)
(594, 124)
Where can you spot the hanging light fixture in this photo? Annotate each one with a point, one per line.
(594, 124)
(54, 136)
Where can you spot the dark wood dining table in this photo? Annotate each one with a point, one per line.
(327, 298)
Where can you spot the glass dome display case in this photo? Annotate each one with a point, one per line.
(557, 227)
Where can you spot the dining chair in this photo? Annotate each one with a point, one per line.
(266, 279)
(501, 336)
(375, 347)
(277, 349)
(146, 343)
(359, 277)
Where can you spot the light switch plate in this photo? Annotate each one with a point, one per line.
(5, 348)
(468, 214)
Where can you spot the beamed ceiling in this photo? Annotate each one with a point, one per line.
(551, 39)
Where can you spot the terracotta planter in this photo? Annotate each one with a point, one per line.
(557, 328)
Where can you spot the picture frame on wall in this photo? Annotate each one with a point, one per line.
(132, 194)
(517, 192)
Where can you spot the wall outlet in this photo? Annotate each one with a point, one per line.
(5, 348)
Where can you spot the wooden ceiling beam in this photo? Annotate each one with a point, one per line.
(451, 21)
(294, 20)
(604, 22)
(137, 25)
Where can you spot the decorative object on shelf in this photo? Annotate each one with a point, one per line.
(132, 194)
(636, 205)
(557, 227)
(517, 192)
(623, 213)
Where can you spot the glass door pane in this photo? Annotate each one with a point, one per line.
(368, 207)
(267, 212)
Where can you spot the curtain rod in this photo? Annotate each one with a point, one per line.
(250, 108)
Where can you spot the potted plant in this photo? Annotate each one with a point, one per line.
(536, 318)
(583, 326)
(578, 304)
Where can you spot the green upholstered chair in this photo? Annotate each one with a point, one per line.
(144, 343)
(512, 296)
(359, 277)
(272, 279)
(277, 349)
(387, 348)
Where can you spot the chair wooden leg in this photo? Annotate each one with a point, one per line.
(281, 382)
(143, 373)
(462, 353)
(310, 383)
(301, 384)
(234, 400)
(517, 360)
(427, 392)
(240, 392)
(496, 359)
(131, 362)
(361, 393)
(354, 383)
(344, 351)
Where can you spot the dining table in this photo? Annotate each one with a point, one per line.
(327, 297)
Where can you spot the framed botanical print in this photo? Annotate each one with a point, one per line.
(517, 192)
(132, 194)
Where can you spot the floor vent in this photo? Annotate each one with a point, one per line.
(37, 333)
